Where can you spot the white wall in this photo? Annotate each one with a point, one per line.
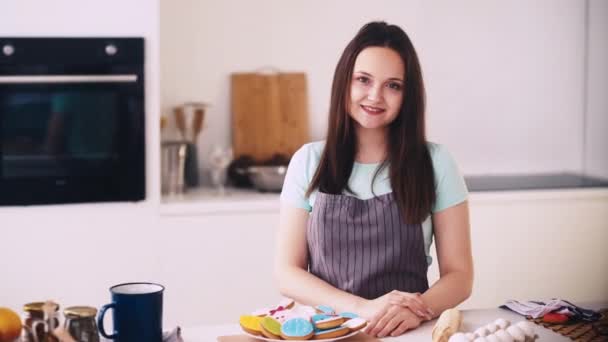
(505, 78)
(73, 253)
(596, 155)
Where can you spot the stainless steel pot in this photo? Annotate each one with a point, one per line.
(267, 178)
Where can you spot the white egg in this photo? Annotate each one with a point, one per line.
(480, 339)
(492, 338)
(527, 327)
(458, 337)
(470, 336)
(517, 333)
(492, 327)
(481, 332)
(504, 336)
(502, 323)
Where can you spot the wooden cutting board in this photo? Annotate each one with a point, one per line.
(269, 114)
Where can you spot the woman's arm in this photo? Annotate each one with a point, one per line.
(291, 266)
(453, 243)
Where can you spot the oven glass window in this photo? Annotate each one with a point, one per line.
(54, 133)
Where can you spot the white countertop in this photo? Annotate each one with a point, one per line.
(472, 319)
(204, 201)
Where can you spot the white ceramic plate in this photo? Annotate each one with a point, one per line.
(262, 338)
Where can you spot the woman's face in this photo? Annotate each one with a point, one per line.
(376, 90)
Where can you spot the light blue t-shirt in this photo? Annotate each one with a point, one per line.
(450, 187)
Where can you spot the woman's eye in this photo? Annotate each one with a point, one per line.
(363, 79)
(394, 86)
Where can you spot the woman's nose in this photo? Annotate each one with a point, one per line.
(374, 93)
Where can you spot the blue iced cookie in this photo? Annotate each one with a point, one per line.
(325, 309)
(297, 328)
(348, 315)
(319, 317)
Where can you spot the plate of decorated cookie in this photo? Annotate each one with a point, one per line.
(290, 321)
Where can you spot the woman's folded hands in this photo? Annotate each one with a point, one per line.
(394, 313)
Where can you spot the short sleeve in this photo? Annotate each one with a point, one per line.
(450, 186)
(297, 180)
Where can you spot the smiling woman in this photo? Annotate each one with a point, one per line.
(360, 209)
(376, 91)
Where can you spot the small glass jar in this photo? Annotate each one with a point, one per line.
(37, 327)
(80, 323)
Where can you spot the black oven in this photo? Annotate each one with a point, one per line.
(71, 120)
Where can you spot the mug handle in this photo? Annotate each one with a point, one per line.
(102, 312)
(34, 330)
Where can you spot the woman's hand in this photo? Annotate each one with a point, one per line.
(370, 308)
(412, 301)
(394, 321)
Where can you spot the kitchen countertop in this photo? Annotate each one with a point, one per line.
(533, 182)
(472, 319)
(205, 201)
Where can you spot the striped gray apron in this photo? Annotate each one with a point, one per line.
(363, 247)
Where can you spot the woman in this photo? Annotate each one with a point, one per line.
(358, 211)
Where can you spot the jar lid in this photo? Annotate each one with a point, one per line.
(37, 306)
(80, 311)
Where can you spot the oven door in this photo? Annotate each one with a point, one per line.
(71, 138)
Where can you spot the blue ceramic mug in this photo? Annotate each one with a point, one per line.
(137, 313)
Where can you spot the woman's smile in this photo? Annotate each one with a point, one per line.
(372, 110)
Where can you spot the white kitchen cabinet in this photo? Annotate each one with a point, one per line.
(526, 245)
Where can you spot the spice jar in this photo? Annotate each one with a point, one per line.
(80, 323)
(37, 327)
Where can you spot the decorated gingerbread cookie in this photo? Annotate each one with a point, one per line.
(284, 304)
(328, 322)
(300, 311)
(355, 324)
(330, 333)
(297, 329)
(324, 309)
(287, 303)
(271, 328)
(281, 314)
(297, 311)
(251, 324)
(348, 315)
(318, 317)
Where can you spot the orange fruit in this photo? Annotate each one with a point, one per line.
(10, 325)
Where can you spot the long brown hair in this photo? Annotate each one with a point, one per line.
(408, 158)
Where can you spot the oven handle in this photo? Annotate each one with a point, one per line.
(18, 79)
